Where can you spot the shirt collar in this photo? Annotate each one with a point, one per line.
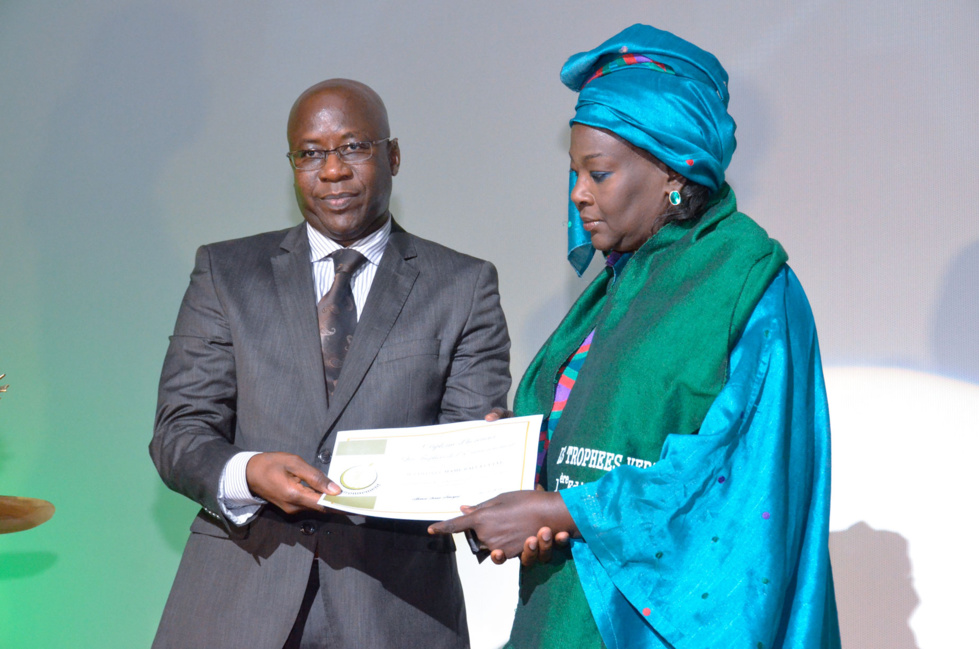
(372, 246)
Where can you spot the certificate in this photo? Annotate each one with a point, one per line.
(427, 473)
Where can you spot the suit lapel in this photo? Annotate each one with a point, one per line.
(395, 277)
(296, 293)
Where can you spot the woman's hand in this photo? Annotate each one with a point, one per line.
(505, 524)
(537, 549)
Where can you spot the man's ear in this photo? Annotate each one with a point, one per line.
(394, 156)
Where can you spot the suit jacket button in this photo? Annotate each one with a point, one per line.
(325, 456)
(307, 528)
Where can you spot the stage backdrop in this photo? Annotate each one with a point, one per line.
(132, 132)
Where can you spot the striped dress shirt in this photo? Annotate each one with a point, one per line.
(238, 504)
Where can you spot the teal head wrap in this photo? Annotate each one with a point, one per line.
(659, 93)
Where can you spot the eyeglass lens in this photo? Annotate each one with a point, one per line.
(316, 158)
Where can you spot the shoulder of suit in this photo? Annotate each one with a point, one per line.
(433, 252)
(265, 243)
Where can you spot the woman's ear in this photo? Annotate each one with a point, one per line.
(675, 181)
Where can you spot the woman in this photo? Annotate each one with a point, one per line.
(686, 453)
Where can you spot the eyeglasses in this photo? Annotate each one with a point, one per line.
(353, 153)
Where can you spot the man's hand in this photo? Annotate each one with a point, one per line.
(498, 413)
(505, 524)
(279, 478)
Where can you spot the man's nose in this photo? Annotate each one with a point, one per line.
(334, 168)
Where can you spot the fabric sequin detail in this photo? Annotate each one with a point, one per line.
(630, 60)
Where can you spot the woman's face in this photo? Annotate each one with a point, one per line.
(621, 191)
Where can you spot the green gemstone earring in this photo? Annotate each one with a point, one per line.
(675, 198)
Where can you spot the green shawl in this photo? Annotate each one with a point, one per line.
(663, 332)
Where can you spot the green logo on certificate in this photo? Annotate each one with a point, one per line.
(358, 477)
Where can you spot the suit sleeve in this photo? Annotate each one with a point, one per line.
(196, 408)
(479, 374)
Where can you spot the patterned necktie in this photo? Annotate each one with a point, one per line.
(338, 315)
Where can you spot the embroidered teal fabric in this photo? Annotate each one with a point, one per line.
(723, 542)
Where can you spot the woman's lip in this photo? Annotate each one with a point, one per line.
(589, 225)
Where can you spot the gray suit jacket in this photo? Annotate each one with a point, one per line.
(244, 372)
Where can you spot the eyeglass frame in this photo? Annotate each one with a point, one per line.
(338, 152)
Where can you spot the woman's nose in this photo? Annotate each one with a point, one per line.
(579, 195)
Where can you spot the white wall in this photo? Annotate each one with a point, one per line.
(131, 132)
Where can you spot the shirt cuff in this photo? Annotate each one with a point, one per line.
(237, 502)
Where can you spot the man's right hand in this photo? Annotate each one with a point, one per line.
(279, 478)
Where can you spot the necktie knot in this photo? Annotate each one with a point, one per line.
(346, 260)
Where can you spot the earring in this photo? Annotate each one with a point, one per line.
(675, 198)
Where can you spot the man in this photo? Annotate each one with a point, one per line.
(265, 365)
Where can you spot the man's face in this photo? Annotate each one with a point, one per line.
(343, 201)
